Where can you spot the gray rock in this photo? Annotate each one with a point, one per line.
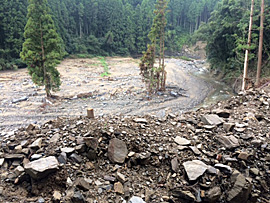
(67, 150)
(213, 195)
(14, 156)
(41, 200)
(195, 150)
(14, 101)
(117, 151)
(36, 144)
(42, 167)
(224, 168)
(76, 158)
(140, 120)
(195, 169)
(78, 198)
(36, 156)
(175, 164)
(181, 141)
(2, 160)
(222, 113)
(18, 170)
(230, 142)
(82, 184)
(212, 119)
(62, 158)
(136, 199)
(240, 191)
(228, 126)
(185, 196)
(54, 139)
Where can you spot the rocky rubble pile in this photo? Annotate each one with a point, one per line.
(218, 154)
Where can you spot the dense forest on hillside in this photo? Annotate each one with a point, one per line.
(226, 35)
(102, 27)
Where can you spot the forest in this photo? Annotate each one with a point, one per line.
(102, 27)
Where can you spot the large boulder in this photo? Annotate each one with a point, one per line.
(42, 167)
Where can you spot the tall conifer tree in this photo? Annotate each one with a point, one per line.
(43, 48)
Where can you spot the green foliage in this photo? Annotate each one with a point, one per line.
(226, 35)
(104, 27)
(155, 77)
(105, 66)
(43, 48)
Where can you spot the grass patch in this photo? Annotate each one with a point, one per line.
(80, 56)
(185, 58)
(105, 67)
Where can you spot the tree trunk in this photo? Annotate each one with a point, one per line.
(249, 43)
(259, 67)
(45, 76)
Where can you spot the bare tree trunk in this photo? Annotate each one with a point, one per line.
(249, 43)
(259, 67)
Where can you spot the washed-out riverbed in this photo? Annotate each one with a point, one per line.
(189, 86)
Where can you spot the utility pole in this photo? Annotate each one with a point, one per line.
(259, 66)
(249, 43)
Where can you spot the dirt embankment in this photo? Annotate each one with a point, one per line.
(122, 92)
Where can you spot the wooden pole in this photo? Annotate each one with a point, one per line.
(249, 43)
(259, 66)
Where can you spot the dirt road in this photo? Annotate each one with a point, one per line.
(122, 92)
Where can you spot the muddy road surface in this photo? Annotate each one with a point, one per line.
(121, 92)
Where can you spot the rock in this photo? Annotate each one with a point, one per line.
(213, 195)
(256, 142)
(243, 156)
(62, 158)
(228, 126)
(82, 184)
(195, 150)
(67, 150)
(212, 119)
(121, 177)
(230, 142)
(181, 141)
(240, 191)
(174, 94)
(32, 127)
(78, 198)
(224, 168)
(175, 164)
(255, 171)
(91, 154)
(42, 167)
(91, 142)
(14, 156)
(136, 199)
(118, 188)
(57, 195)
(109, 178)
(140, 120)
(195, 169)
(184, 196)
(18, 170)
(36, 144)
(76, 158)
(117, 151)
(222, 113)
(55, 138)
(2, 160)
(36, 156)
(14, 101)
